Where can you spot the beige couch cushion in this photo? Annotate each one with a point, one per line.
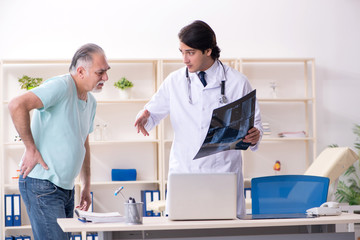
(332, 162)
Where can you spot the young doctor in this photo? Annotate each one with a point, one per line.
(189, 95)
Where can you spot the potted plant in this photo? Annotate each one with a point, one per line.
(125, 86)
(348, 190)
(28, 83)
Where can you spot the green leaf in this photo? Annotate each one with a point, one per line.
(123, 83)
(27, 82)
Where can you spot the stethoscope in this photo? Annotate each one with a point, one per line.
(223, 99)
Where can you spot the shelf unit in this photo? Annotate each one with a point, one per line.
(293, 108)
(120, 148)
(124, 148)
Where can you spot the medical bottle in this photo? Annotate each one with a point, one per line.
(105, 132)
(97, 133)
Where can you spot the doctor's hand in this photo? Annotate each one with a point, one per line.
(253, 136)
(30, 158)
(141, 121)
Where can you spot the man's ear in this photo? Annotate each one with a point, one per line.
(208, 52)
(81, 71)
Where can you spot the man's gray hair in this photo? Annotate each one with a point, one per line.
(83, 56)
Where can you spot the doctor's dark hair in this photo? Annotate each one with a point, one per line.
(83, 56)
(199, 35)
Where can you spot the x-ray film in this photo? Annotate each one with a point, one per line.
(229, 125)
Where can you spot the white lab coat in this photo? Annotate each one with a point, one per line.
(191, 122)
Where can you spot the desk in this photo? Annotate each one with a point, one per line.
(162, 228)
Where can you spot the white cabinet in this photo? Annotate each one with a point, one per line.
(293, 109)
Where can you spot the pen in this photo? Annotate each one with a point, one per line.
(119, 191)
(82, 219)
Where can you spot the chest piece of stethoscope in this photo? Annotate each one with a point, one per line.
(223, 99)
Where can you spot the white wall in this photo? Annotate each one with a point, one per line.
(327, 30)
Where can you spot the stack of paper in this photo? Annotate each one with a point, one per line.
(266, 129)
(300, 134)
(99, 217)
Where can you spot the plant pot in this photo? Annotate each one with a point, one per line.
(125, 94)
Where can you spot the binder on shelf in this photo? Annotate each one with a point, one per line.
(76, 237)
(16, 210)
(18, 237)
(92, 236)
(146, 197)
(156, 197)
(9, 210)
(91, 208)
(247, 193)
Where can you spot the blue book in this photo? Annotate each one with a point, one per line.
(26, 237)
(9, 238)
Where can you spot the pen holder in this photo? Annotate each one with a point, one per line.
(133, 213)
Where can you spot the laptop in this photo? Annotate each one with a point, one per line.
(202, 196)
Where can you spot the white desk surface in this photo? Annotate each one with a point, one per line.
(163, 223)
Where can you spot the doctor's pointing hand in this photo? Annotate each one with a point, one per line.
(141, 121)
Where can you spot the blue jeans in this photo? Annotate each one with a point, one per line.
(45, 202)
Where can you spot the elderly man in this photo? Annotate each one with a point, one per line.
(56, 141)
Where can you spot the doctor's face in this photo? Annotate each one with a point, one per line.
(195, 59)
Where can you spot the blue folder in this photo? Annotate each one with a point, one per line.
(9, 210)
(156, 197)
(16, 210)
(146, 196)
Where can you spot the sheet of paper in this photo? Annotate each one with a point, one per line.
(229, 125)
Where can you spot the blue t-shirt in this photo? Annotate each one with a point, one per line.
(60, 129)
